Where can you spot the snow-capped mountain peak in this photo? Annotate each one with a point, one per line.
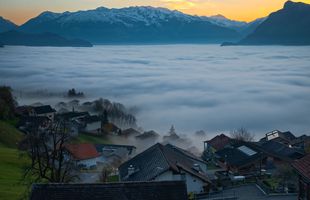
(143, 14)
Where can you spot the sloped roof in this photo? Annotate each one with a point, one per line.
(280, 150)
(288, 135)
(219, 141)
(70, 115)
(185, 153)
(148, 135)
(44, 109)
(100, 147)
(163, 190)
(91, 119)
(130, 132)
(157, 160)
(82, 151)
(238, 156)
(303, 166)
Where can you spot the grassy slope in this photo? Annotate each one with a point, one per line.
(9, 135)
(11, 173)
(11, 164)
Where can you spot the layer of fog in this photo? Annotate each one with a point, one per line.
(193, 87)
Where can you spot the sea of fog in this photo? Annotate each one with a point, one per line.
(193, 87)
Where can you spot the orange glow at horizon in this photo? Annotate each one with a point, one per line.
(243, 10)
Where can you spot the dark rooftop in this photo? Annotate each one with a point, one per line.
(219, 141)
(100, 147)
(156, 160)
(148, 135)
(303, 166)
(280, 150)
(239, 155)
(91, 119)
(70, 115)
(44, 109)
(163, 190)
(130, 132)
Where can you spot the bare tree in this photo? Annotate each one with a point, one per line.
(287, 175)
(46, 149)
(105, 173)
(242, 134)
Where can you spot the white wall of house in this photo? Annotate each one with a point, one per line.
(89, 162)
(93, 126)
(193, 183)
(49, 115)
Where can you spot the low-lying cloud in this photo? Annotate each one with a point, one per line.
(194, 87)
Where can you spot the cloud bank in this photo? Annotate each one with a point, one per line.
(194, 87)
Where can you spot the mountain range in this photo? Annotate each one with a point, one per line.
(130, 25)
(144, 24)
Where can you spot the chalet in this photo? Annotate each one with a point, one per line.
(84, 155)
(159, 190)
(43, 111)
(110, 128)
(91, 123)
(23, 110)
(286, 138)
(215, 144)
(148, 135)
(166, 163)
(27, 123)
(72, 121)
(278, 153)
(242, 158)
(73, 115)
(302, 167)
(112, 151)
(130, 132)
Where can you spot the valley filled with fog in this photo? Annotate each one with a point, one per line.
(194, 87)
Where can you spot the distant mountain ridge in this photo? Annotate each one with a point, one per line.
(132, 24)
(6, 25)
(40, 39)
(288, 26)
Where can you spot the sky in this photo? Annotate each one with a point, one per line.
(19, 11)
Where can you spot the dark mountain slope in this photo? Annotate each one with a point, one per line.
(288, 26)
(41, 39)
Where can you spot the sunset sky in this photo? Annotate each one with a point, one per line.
(19, 11)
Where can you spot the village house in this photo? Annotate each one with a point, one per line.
(166, 162)
(159, 190)
(287, 138)
(91, 124)
(72, 120)
(43, 111)
(215, 144)
(130, 132)
(113, 152)
(110, 128)
(279, 153)
(302, 167)
(27, 123)
(242, 159)
(84, 155)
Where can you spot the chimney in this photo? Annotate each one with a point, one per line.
(131, 170)
(196, 167)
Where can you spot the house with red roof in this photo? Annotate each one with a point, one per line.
(217, 143)
(84, 155)
(302, 167)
